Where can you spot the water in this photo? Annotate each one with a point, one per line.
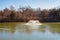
(19, 31)
(33, 23)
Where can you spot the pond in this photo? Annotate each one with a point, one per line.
(19, 31)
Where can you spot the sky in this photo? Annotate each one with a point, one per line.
(43, 4)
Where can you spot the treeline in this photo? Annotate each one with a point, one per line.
(24, 14)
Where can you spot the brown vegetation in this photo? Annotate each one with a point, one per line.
(25, 14)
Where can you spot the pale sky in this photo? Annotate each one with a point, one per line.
(43, 4)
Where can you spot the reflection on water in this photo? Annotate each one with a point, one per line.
(8, 27)
(18, 31)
